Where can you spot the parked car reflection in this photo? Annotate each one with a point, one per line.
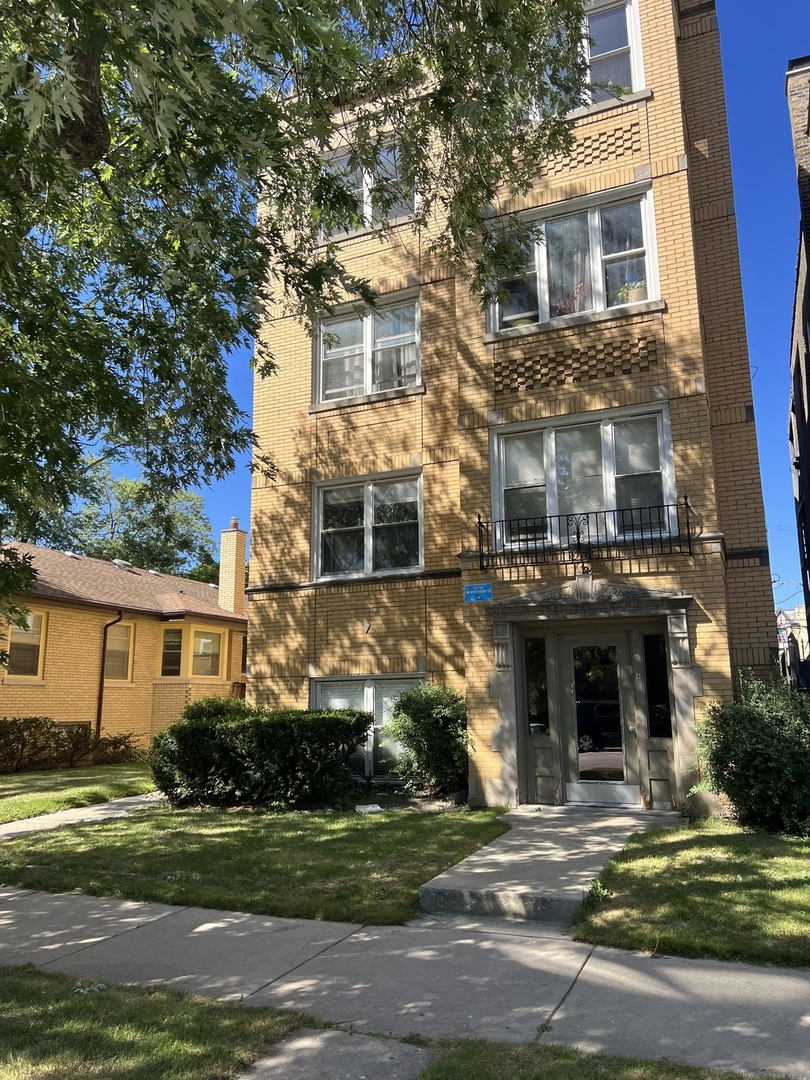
(599, 725)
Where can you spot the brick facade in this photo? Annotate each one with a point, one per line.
(679, 354)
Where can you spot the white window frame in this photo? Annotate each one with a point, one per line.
(367, 483)
(633, 38)
(340, 163)
(129, 626)
(369, 683)
(17, 632)
(366, 316)
(538, 264)
(549, 428)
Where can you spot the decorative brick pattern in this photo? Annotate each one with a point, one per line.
(535, 368)
(623, 140)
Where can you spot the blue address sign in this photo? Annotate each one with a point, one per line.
(477, 594)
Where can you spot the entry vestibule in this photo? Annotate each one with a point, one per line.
(595, 689)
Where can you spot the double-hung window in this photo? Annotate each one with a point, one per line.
(594, 258)
(118, 652)
(612, 47)
(370, 527)
(26, 647)
(621, 464)
(379, 194)
(370, 352)
(377, 756)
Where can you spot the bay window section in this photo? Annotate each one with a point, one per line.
(370, 352)
(370, 527)
(594, 259)
(206, 654)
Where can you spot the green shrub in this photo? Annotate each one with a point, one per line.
(30, 742)
(756, 751)
(430, 723)
(256, 757)
(116, 749)
(39, 742)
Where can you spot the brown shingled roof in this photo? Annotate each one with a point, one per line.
(67, 577)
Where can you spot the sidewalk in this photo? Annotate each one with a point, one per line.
(441, 976)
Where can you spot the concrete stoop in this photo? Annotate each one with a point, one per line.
(498, 903)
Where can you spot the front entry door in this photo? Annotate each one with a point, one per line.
(599, 736)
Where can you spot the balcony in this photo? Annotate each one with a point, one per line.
(599, 534)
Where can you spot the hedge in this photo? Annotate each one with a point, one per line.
(218, 755)
(39, 742)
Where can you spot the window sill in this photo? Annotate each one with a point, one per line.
(585, 318)
(365, 579)
(23, 680)
(614, 103)
(368, 399)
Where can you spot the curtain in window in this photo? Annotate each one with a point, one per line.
(569, 265)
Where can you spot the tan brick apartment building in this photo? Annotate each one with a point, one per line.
(554, 506)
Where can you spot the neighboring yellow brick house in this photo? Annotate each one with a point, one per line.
(554, 507)
(122, 649)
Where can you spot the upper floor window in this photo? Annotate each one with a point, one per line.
(612, 46)
(592, 259)
(118, 652)
(26, 647)
(368, 353)
(379, 194)
(370, 527)
(621, 463)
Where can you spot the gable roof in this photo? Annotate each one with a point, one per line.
(78, 579)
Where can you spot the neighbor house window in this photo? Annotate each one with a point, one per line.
(620, 462)
(171, 660)
(589, 260)
(375, 757)
(379, 194)
(370, 527)
(26, 647)
(206, 654)
(369, 352)
(117, 654)
(613, 49)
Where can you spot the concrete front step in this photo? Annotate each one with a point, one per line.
(503, 903)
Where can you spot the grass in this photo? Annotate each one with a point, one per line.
(124, 1033)
(26, 795)
(317, 865)
(711, 889)
(493, 1061)
(48, 1029)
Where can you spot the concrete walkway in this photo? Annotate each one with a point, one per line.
(441, 976)
(117, 808)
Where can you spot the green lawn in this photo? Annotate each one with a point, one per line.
(123, 1033)
(48, 1030)
(711, 889)
(494, 1061)
(25, 795)
(311, 865)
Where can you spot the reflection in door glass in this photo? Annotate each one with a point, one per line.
(656, 671)
(536, 686)
(600, 751)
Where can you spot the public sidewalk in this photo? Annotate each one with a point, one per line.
(441, 976)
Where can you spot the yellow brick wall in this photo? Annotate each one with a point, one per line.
(69, 687)
(687, 351)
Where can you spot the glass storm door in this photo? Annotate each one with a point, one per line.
(598, 709)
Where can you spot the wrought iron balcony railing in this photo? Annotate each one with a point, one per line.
(599, 534)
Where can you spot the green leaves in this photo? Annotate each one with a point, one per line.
(165, 187)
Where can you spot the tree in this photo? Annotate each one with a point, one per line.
(117, 520)
(166, 182)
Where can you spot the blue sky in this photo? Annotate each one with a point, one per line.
(756, 50)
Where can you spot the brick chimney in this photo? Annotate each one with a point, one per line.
(232, 547)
